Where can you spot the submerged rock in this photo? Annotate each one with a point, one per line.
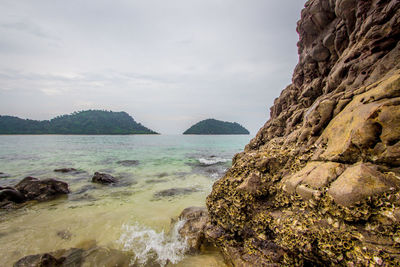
(128, 162)
(68, 170)
(103, 178)
(175, 192)
(94, 256)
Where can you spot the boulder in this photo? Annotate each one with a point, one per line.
(320, 53)
(357, 183)
(315, 175)
(103, 178)
(368, 127)
(196, 219)
(251, 184)
(34, 189)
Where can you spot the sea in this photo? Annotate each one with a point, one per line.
(135, 219)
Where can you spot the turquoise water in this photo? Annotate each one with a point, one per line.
(133, 216)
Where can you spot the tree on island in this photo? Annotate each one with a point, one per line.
(79, 122)
(213, 126)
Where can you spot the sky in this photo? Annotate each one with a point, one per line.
(168, 63)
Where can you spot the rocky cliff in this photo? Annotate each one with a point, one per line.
(319, 184)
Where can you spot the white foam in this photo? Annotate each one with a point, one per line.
(148, 245)
(212, 161)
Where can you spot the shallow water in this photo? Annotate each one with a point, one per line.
(133, 216)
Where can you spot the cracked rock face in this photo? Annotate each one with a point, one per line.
(319, 184)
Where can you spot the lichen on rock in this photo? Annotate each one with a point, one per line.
(319, 184)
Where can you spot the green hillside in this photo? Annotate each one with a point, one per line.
(212, 126)
(82, 122)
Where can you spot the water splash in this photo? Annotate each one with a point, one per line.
(148, 245)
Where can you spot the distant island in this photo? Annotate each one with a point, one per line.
(81, 122)
(212, 126)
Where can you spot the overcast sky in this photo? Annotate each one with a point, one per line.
(168, 63)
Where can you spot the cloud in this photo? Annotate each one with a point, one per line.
(51, 91)
(167, 63)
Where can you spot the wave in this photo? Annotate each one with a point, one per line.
(149, 246)
(212, 160)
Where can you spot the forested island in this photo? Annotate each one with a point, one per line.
(81, 122)
(212, 126)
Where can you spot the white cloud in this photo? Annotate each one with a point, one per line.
(156, 60)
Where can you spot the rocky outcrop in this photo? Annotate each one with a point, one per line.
(103, 178)
(319, 184)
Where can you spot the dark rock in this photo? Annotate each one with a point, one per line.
(196, 219)
(39, 260)
(76, 257)
(175, 192)
(71, 257)
(10, 194)
(103, 178)
(128, 162)
(41, 190)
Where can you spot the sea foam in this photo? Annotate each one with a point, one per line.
(212, 160)
(151, 246)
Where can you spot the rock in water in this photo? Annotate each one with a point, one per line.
(193, 230)
(41, 190)
(39, 260)
(74, 257)
(319, 184)
(103, 178)
(10, 194)
(68, 170)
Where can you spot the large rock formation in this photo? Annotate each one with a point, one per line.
(319, 184)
